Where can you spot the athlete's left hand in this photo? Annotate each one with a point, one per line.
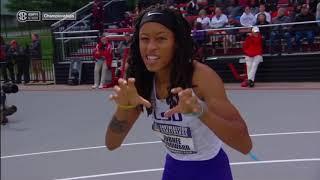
(188, 103)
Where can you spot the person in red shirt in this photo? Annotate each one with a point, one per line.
(102, 55)
(252, 48)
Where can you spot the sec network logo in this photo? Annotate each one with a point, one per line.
(22, 16)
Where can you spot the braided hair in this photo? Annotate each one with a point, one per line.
(182, 68)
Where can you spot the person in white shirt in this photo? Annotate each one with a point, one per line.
(203, 19)
(262, 9)
(247, 19)
(254, 6)
(219, 20)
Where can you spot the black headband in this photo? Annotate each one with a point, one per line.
(160, 17)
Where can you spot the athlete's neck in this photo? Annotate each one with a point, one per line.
(162, 77)
(162, 81)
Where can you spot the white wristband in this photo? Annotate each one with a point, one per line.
(196, 114)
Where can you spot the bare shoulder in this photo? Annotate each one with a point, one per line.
(201, 70)
(207, 82)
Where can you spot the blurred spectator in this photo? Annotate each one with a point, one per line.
(271, 5)
(226, 3)
(291, 13)
(305, 30)
(235, 10)
(13, 54)
(202, 3)
(233, 22)
(264, 31)
(4, 59)
(3, 49)
(192, 7)
(318, 13)
(198, 34)
(127, 22)
(25, 64)
(313, 6)
(297, 9)
(219, 20)
(98, 15)
(254, 6)
(279, 32)
(252, 48)
(210, 10)
(143, 4)
(247, 19)
(262, 10)
(203, 19)
(36, 57)
(298, 2)
(219, 3)
(200, 38)
(121, 52)
(100, 68)
(243, 3)
(123, 45)
(231, 34)
(16, 54)
(100, 54)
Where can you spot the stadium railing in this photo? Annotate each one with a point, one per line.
(75, 44)
(228, 41)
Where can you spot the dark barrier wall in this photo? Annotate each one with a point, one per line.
(295, 68)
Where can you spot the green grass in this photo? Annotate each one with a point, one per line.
(46, 43)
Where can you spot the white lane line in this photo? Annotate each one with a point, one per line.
(141, 143)
(285, 133)
(275, 161)
(51, 152)
(161, 169)
(144, 143)
(75, 149)
(112, 174)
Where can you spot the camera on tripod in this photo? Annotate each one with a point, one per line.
(9, 88)
(6, 110)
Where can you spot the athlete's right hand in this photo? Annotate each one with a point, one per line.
(125, 94)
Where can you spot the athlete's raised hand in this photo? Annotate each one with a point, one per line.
(125, 94)
(188, 103)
